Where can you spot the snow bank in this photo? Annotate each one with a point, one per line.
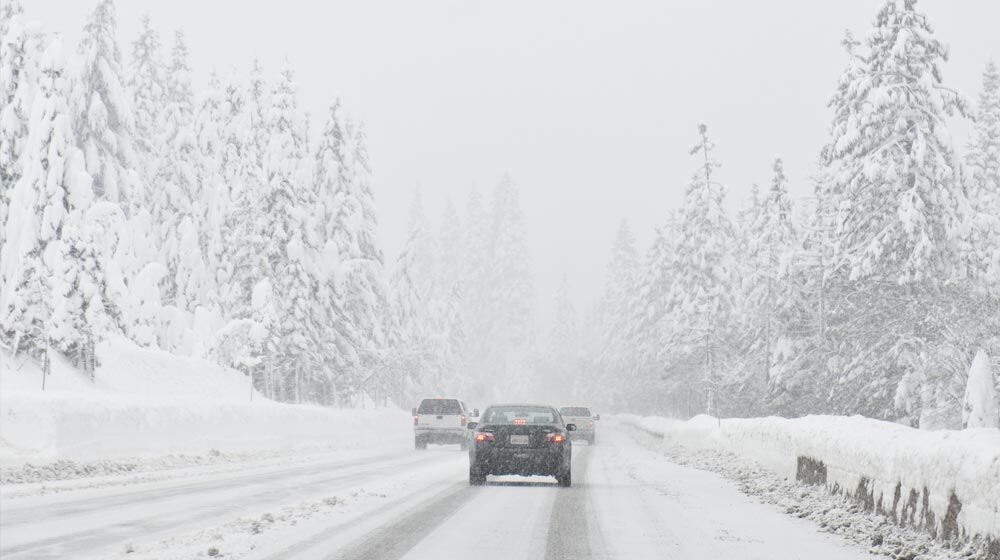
(865, 456)
(149, 403)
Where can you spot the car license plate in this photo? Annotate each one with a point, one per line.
(519, 440)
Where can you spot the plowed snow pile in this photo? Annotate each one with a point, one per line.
(966, 462)
(146, 403)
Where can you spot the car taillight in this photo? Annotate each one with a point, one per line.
(520, 421)
(555, 438)
(463, 419)
(483, 437)
(591, 423)
(416, 420)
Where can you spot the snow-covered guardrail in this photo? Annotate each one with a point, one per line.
(945, 482)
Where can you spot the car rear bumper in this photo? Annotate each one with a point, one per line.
(442, 435)
(521, 461)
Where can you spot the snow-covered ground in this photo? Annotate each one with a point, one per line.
(628, 501)
(966, 463)
(147, 404)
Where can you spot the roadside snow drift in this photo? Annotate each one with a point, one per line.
(147, 402)
(903, 472)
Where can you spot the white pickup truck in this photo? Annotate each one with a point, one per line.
(441, 420)
(584, 420)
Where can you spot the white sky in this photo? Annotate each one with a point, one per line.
(591, 106)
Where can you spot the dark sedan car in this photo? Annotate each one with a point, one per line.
(520, 439)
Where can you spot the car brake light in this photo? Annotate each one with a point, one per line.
(520, 421)
(555, 438)
(463, 419)
(483, 437)
(416, 420)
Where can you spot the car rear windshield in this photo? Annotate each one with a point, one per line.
(574, 411)
(519, 415)
(439, 406)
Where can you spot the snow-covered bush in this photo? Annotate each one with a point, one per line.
(981, 409)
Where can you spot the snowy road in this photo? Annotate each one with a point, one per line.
(626, 502)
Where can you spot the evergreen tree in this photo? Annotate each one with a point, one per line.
(510, 296)
(771, 247)
(244, 264)
(892, 183)
(51, 166)
(104, 123)
(16, 57)
(178, 211)
(289, 250)
(697, 338)
(348, 231)
(617, 310)
(983, 161)
(558, 371)
(644, 389)
(148, 84)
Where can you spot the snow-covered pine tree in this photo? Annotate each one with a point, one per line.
(148, 84)
(51, 166)
(892, 180)
(511, 295)
(983, 165)
(289, 249)
(559, 363)
(138, 252)
(448, 312)
(644, 391)
(771, 246)
(891, 144)
(354, 275)
(178, 210)
(244, 264)
(104, 123)
(617, 309)
(408, 359)
(476, 324)
(214, 200)
(17, 56)
(697, 338)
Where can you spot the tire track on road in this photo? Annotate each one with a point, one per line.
(394, 540)
(574, 530)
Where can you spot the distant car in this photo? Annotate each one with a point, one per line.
(441, 420)
(585, 420)
(521, 439)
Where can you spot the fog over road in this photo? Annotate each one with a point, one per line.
(626, 502)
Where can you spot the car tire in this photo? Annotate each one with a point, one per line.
(565, 479)
(476, 478)
(420, 443)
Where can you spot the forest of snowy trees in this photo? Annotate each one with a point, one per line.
(228, 225)
(872, 297)
(208, 225)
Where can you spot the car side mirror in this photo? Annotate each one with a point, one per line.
(475, 413)
(414, 411)
(472, 425)
(597, 417)
(570, 427)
